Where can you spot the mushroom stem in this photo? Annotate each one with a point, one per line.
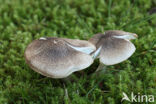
(65, 92)
(101, 67)
(86, 50)
(96, 53)
(127, 36)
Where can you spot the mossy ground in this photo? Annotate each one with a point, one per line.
(23, 21)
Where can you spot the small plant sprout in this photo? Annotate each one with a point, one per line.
(115, 46)
(59, 57)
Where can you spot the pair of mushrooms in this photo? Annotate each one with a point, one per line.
(60, 57)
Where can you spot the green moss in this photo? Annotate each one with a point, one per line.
(23, 21)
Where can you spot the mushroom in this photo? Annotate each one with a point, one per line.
(116, 46)
(59, 57)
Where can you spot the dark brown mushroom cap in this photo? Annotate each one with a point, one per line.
(116, 46)
(53, 57)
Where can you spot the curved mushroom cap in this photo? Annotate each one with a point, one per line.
(115, 44)
(58, 57)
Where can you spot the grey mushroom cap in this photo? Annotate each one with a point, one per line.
(116, 46)
(58, 57)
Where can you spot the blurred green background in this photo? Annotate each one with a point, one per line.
(22, 21)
